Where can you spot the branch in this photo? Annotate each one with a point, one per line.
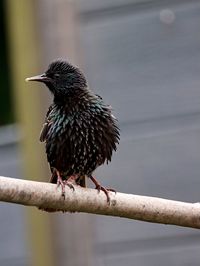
(48, 196)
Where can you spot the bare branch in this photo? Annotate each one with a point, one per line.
(149, 209)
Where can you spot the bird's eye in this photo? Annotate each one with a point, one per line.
(56, 75)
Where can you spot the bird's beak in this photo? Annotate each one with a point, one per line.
(40, 78)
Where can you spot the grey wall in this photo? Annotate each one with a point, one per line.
(144, 59)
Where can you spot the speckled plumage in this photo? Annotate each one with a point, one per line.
(80, 131)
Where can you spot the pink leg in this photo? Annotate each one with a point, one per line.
(63, 183)
(99, 187)
(60, 183)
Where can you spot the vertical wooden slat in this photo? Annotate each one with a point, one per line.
(59, 32)
(25, 61)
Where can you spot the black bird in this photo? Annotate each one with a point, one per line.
(79, 130)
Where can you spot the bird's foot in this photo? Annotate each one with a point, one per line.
(99, 188)
(72, 179)
(112, 190)
(61, 183)
(64, 183)
(69, 184)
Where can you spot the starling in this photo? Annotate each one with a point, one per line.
(80, 131)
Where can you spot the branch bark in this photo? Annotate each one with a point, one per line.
(150, 209)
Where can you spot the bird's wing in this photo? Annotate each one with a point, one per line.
(98, 96)
(109, 107)
(46, 125)
(111, 135)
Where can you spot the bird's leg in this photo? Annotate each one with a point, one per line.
(63, 183)
(60, 182)
(69, 181)
(99, 187)
(81, 180)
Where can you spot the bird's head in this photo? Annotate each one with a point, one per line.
(62, 79)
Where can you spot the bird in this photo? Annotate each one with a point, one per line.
(80, 132)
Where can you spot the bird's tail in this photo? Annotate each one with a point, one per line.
(81, 181)
(53, 178)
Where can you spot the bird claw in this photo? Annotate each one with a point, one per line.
(69, 184)
(112, 190)
(99, 188)
(62, 184)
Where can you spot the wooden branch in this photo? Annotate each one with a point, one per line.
(149, 209)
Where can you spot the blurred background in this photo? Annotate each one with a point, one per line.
(143, 58)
